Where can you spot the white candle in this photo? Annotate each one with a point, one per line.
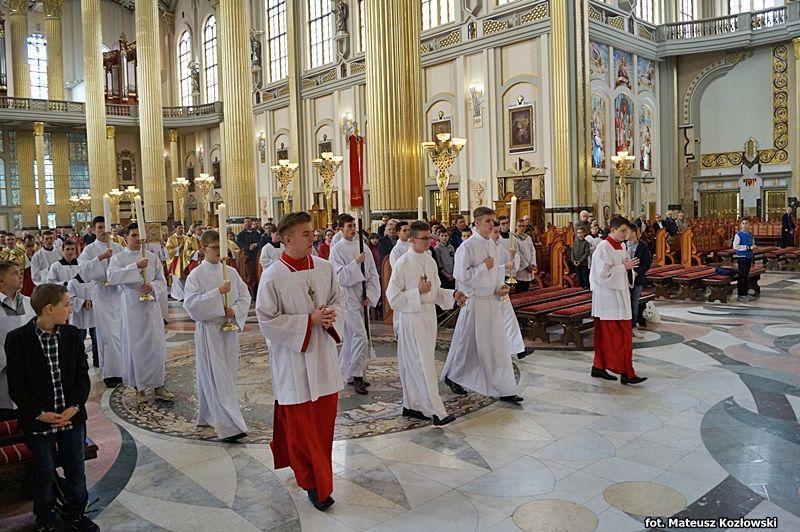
(107, 210)
(419, 208)
(137, 201)
(512, 223)
(223, 231)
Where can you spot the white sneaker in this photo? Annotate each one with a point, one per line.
(164, 394)
(638, 334)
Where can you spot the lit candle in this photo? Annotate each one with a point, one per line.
(512, 223)
(419, 208)
(107, 209)
(223, 231)
(137, 201)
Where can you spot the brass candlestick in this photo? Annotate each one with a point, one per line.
(205, 183)
(128, 195)
(74, 202)
(623, 164)
(180, 186)
(443, 153)
(327, 167)
(284, 172)
(115, 196)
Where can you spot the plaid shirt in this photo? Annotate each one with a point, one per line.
(49, 344)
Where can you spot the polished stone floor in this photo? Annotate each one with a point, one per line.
(713, 433)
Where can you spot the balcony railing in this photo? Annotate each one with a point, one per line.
(112, 109)
(207, 109)
(714, 27)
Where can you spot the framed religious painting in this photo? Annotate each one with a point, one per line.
(282, 154)
(521, 128)
(126, 168)
(324, 146)
(216, 171)
(444, 124)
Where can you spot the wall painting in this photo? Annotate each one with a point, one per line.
(623, 63)
(598, 125)
(623, 124)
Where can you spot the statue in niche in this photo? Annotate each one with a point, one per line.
(472, 29)
(195, 77)
(342, 11)
(255, 51)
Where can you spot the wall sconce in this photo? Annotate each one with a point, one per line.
(476, 99)
(349, 124)
(166, 154)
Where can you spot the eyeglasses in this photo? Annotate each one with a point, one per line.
(425, 238)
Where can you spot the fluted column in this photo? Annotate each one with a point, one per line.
(238, 141)
(796, 155)
(111, 149)
(27, 191)
(174, 162)
(59, 147)
(151, 118)
(38, 137)
(95, 101)
(394, 106)
(18, 32)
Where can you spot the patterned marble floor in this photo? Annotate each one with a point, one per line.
(713, 433)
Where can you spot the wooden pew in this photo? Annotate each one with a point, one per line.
(538, 314)
(721, 286)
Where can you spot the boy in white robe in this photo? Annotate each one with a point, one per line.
(300, 308)
(478, 358)
(413, 292)
(15, 311)
(271, 253)
(403, 243)
(106, 299)
(144, 346)
(217, 357)
(347, 259)
(44, 258)
(527, 257)
(510, 258)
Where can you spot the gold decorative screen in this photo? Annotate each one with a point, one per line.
(451, 201)
(774, 203)
(719, 205)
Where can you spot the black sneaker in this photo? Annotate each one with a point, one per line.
(598, 373)
(83, 524)
(444, 421)
(112, 382)
(235, 438)
(512, 399)
(455, 387)
(523, 354)
(414, 414)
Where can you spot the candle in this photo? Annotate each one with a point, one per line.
(512, 223)
(107, 209)
(137, 201)
(223, 231)
(419, 208)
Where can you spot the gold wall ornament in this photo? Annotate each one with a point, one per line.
(443, 153)
(205, 184)
(326, 167)
(623, 163)
(74, 203)
(180, 186)
(284, 172)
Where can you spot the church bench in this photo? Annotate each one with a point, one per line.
(664, 281)
(574, 319)
(759, 253)
(545, 294)
(721, 286)
(662, 269)
(10, 432)
(537, 316)
(778, 257)
(691, 283)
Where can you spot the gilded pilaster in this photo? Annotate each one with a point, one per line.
(151, 118)
(238, 144)
(394, 106)
(174, 161)
(796, 157)
(38, 136)
(59, 152)
(294, 41)
(18, 32)
(27, 192)
(95, 101)
(111, 149)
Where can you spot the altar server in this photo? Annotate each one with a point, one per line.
(611, 306)
(44, 258)
(66, 268)
(414, 290)
(144, 346)
(271, 252)
(92, 267)
(511, 262)
(403, 243)
(300, 311)
(15, 311)
(178, 258)
(346, 259)
(479, 354)
(217, 357)
(527, 257)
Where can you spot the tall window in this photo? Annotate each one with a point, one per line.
(210, 59)
(37, 61)
(362, 24)
(438, 12)
(685, 10)
(3, 196)
(320, 32)
(49, 183)
(276, 40)
(742, 6)
(78, 164)
(184, 58)
(644, 10)
(13, 168)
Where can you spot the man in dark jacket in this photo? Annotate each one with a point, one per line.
(456, 231)
(247, 240)
(386, 242)
(788, 228)
(579, 254)
(639, 250)
(48, 379)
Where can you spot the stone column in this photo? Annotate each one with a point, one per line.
(795, 189)
(294, 40)
(394, 107)
(111, 148)
(27, 192)
(59, 146)
(95, 101)
(18, 32)
(38, 135)
(174, 162)
(238, 142)
(151, 118)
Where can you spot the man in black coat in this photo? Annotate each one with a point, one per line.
(788, 228)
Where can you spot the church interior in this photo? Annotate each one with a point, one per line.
(682, 116)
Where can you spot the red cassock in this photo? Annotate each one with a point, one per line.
(27, 283)
(613, 346)
(302, 439)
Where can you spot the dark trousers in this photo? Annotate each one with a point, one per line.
(251, 275)
(636, 294)
(744, 275)
(582, 273)
(93, 335)
(68, 444)
(522, 286)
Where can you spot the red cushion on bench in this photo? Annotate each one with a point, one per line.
(11, 454)
(572, 311)
(9, 428)
(545, 293)
(699, 274)
(559, 303)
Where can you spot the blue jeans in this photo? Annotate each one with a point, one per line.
(743, 281)
(93, 335)
(69, 446)
(636, 293)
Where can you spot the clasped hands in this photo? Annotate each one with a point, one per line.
(58, 420)
(323, 316)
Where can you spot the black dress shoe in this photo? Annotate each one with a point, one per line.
(235, 438)
(112, 382)
(362, 380)
(95, 363)
(444, 421)
(319, 505)
(455, 387)
(83, 524)
(359, 387)
(512, 399)
(635, 380)
(415, 414)
(523, 354)
(598, 373)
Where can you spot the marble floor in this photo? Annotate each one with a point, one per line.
(713, 433)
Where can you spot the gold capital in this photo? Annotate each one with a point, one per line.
(111, 132)
(38, 128)
(796, 43)
(52, 8)
(18, 7)
(173, 135)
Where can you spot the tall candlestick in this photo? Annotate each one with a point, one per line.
(513, 217)
(511, 280)
(419, 208)
(107, 209)
(137, 201)
(222, 212)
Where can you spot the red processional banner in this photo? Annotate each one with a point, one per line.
(356, 144)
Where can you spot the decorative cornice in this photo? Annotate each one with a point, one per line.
(52, 8)
(18, 7)
(38, 129)
(111, 132)
(173, 135)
